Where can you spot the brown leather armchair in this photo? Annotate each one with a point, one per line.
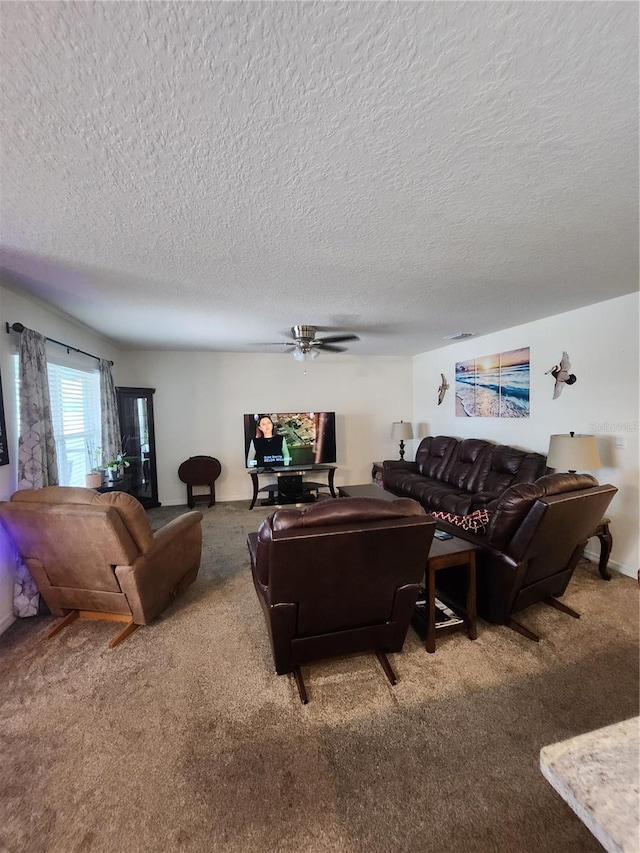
(339, 577)
(95, 555)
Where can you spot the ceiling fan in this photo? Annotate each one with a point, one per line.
(304, 344)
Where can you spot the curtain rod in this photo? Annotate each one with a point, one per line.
(19, 328)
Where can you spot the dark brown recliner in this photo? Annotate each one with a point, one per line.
(339, 577)
(95, 555)
(536, 535)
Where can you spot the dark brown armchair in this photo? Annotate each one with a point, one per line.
(534, 540)
(95, 555)
(339, 577)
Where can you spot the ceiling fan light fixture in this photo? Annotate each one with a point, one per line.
(302, 353)
(304, 344)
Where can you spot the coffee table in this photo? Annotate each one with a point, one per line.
(366, 490)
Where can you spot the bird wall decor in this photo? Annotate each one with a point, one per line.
(562, 374)
(442, 390)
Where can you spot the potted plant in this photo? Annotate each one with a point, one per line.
(93, 480)
(115, 467)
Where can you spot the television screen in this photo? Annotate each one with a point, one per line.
(289, 438)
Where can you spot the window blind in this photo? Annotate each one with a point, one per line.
(75, 411)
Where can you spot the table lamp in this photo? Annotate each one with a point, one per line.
(401, 430)
(572, 452)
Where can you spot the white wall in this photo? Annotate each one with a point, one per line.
(602, 342)
(201, 397)
(15, 308)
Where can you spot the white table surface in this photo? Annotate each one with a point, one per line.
(598, 774)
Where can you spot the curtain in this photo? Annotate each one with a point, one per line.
(37, 464)
(111, 439)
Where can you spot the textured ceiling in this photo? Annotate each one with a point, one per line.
(204, 175)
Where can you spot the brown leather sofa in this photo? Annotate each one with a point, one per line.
(338, 577)
(95, 555)
(460, 476)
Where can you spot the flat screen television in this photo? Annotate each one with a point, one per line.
(274, 439)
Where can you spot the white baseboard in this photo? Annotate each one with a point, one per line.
(7, 620)
(594, 556)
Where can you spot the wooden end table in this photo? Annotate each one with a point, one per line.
(606, 543)
(377, 473)
(444, 554)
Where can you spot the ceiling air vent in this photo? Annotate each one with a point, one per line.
(458, 336)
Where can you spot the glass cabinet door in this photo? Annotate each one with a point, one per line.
(135, 410)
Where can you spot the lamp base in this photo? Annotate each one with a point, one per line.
(401, 449)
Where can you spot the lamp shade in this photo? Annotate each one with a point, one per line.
(573, 452)
(401, 430)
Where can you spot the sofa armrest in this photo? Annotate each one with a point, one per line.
(162, 573)
(399, 465)
(175, 527)
(509, 511)
(481, 500)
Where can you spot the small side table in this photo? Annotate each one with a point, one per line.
(122, 484)
(444, 554)
(606, 543)
(200, 471)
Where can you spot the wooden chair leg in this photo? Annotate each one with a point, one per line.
(386, 666)
(62, 623)
(128, 629)
(559, 605)
(300, 685)
(520, 629)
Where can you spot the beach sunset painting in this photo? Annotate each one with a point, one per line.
(465, 385)
(494, 386)
(514, 383)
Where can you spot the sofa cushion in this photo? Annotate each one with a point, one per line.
(464, 503)
(433, 454)
(509, 466)
(400, 479)
(432, 495)
(465, 466)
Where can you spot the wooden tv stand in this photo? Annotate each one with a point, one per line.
(273, 490)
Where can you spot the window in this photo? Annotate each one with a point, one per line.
(75, 410)
(74, 389)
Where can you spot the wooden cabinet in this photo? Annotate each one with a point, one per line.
(135, 410)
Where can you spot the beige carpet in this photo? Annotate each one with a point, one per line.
(183, 739)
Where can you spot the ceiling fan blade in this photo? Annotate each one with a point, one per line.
(330, 347)
(275, 344)
(337, 339)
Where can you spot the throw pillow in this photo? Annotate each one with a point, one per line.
(477, 521)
